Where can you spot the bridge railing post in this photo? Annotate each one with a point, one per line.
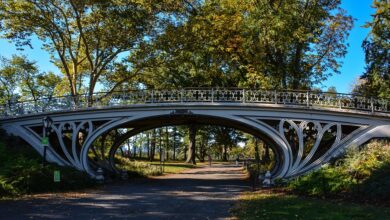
(182, 95)
(243, 96)
(339, 101)
(276, 96)
(307, 99)
(212, 95)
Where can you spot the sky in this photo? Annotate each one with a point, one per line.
(353, 62)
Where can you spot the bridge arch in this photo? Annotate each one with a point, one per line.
(144, 124)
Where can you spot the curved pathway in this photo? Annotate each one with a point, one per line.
(202, 193)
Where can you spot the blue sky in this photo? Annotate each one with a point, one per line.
(353, 62)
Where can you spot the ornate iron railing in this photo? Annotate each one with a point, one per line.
(309, 99)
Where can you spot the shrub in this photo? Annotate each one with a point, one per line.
(321, 182)
(6, 189)
(361, 170)
(137, 168)
(21, 171)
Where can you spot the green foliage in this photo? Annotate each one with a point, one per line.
(173, 44)
(262, 44)
(322, 182)
(361, 173)
(22, 173)
(137, 168)
(84, 37)
(375, 81)
(6, 189)
(23, 74)
(29, 176)
(8, 81)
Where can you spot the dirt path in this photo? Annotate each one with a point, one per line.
(204, 193)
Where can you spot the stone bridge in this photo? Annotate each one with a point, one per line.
(304, 128)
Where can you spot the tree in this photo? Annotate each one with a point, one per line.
(375, 81)
(50, 84)
(227, 138)
(85, 37)
(203, 139)
(8, 81)
(153, 145)
(263, 44)
(192, 144)
(32, 83)
(27, 72)
(202, 61)
(20, 78)
(332, 91)
(297, 43)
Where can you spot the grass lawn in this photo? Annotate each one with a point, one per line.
(174, 167)
(265, 204)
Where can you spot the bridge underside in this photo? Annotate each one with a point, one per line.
(302, 140)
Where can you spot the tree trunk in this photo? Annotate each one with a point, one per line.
(128, 148)
(102, 143)
(122, 153)
(160, 143)
(257, 152)
(140, 151)
(95, 152)
(153, 145)
(224, 158)
(204, 148)
(166, 143)
(185, 152)
(266, 157)
(148, 145)
(90, 96)
(174, 143)
(192, 146)
(134, 147)
(202, 152)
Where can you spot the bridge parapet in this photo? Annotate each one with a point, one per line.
(290, 98)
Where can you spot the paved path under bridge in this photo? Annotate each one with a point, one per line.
(202, 193)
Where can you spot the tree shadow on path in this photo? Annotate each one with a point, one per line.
(206, 193)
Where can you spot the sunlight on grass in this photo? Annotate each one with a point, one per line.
(270, 205)
(174, 167)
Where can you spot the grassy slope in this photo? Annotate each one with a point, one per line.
(270, 205)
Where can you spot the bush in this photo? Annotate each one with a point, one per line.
(321, 182)
(6, 189)
(137, 168)
(29, 176)
(21, 172)
(361, 170)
